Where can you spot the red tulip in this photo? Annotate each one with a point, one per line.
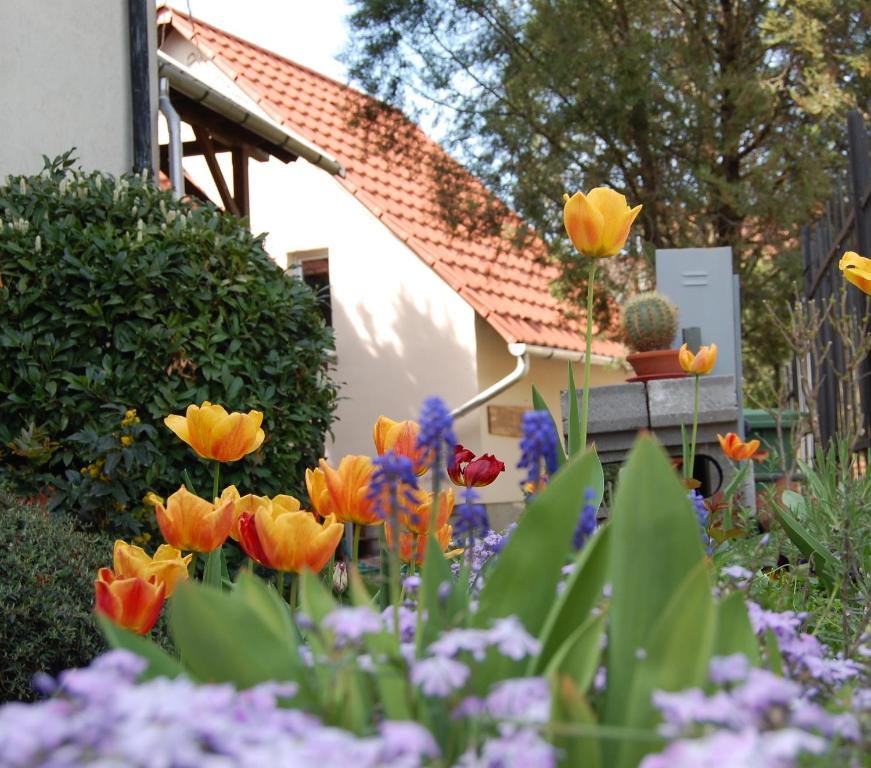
(466, 469)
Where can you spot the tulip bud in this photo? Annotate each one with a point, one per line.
(340, 578)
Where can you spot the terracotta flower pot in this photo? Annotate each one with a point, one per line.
(656, 364)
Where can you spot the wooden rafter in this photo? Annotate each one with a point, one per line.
(205, 141)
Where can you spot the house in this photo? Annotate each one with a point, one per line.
(417, 308)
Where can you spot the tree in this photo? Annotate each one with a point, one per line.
(724, 118)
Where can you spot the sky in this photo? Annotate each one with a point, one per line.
(310, 32)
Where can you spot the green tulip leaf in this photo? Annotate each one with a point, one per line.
(539, 404)
(579, 655)
(734, 631)
(571, 709)
(825, 564)
(160, 663)
(574, 436)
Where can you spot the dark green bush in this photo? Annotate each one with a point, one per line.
(115, 297)
(46, 594)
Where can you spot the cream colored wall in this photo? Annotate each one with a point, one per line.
(548, 376)
(65, 83)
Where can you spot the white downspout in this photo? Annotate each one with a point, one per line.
(173, 122)
(520, 351)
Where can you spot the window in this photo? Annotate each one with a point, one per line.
(313, 268)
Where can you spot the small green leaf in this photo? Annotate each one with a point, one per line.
(574, 415)
(734, 631)
(826, 565)
(539, 404)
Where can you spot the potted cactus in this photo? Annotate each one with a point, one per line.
(649, 323)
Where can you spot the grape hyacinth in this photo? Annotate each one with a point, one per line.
(436, 434)
(470, 517)
(702, 514)
(393, 482)
(538, 446)
(587, 523)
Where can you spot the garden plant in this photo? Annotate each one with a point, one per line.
(661, 637)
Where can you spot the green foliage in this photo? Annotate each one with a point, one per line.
(115, 296)
(47, 594)
(725, 120)
(648, 321)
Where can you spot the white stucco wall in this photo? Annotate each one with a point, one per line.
(65, 83)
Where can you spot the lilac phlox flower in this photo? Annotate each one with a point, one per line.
(407, 622)
(392, 480)
(728, 669)
(799, 648)
(538, 445)
(702, 516)
(681, 709)
(862, 699)
(600, 679)
(511, 638)
(784, 624)
(864, 651)
(740, 575)
(470, 519)
(831, 671)
(480, 553)
(403, 739)
(411, 584)
(455, 641)
(763, 690)
(439, 676)
(522, 699)
(349, 625)
(471, 706)
(520, 748)
(809, 716)
(744, 749)
(587, 522)
(436, 430)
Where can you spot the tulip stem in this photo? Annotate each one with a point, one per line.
(585, 403)
(192, 568)
(279, 583)
(688, 469)
(355, 549)
(216, 482)
(294, 591)
(395, 591)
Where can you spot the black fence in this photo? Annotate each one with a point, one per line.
(843, 404)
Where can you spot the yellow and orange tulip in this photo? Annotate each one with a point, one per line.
(598, 223)
(343, 491)
(133, 603)
(857, 270)
(192, 524)
(736, 449)
(167, 565)
(250, 502)
(215, 434)
(701, 362)
(416, 517)
(414, 546)
(290, 541)
(401, 437)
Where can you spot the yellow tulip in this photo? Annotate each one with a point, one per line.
(416, 517)
(215, 434)
(700, 363)
(167, 565)
(250, 502)
(343, 492)
(193, 524)
(413, 546)
(857, 270)
(291, 541)
(598, 223)
(400, 437)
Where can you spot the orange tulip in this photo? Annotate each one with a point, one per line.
(857, 270)
(416, 517)
(598, 223)
(401, 437)
(343, 492)
(167, 565)
(193, 524)
(411, 545)
(215, 434)
(132, 603)
(700, 363)
(736, 449)
(249, 503)
(290, 541)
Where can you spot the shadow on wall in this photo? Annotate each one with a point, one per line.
(391, 370)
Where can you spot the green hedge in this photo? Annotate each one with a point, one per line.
(47, 594)
(116, 297)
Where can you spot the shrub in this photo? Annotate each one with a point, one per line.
(47, 594)
(115, 297)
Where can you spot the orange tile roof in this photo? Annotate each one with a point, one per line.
(507, 287)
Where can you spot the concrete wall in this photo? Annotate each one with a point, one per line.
(548, 376)
(65, 83)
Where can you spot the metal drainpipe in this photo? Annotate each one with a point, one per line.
(520, 370)
(140, 90)
(173, 122)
